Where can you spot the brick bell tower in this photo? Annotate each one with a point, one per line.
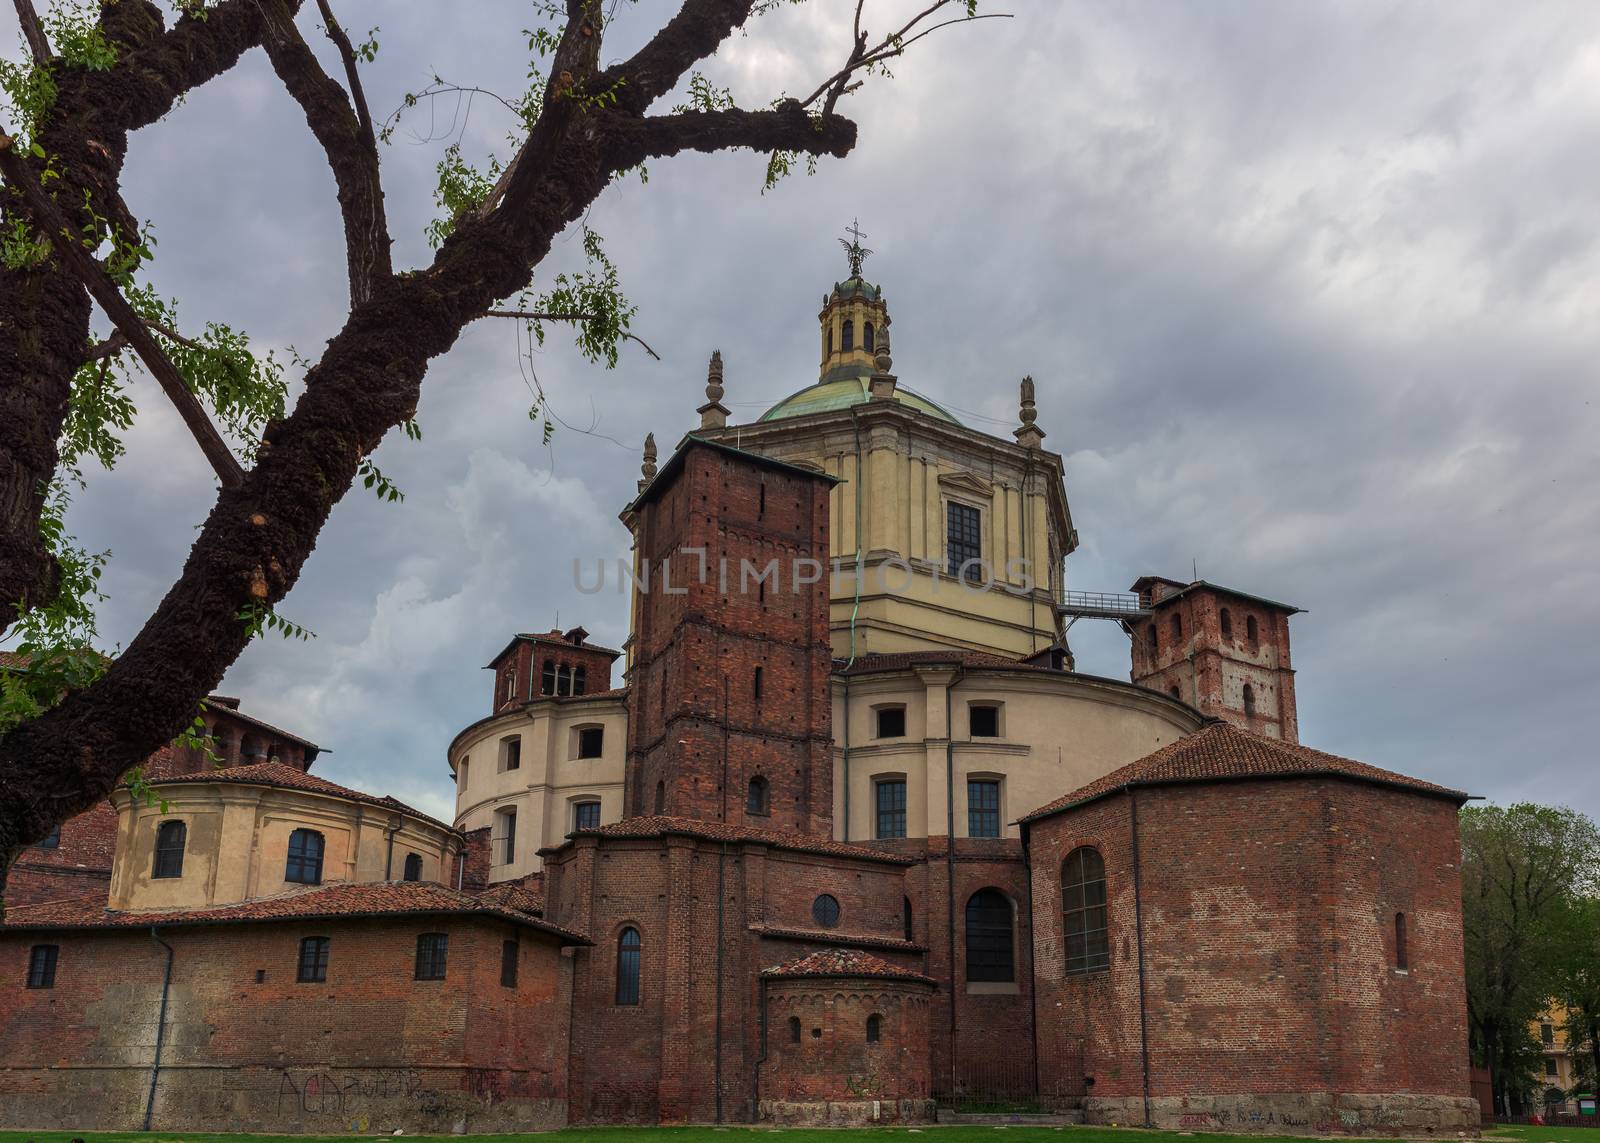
(730, 716)
(1220, 650)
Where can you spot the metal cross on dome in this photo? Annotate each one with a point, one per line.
(856, 252)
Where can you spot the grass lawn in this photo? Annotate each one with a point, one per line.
(793, 1135)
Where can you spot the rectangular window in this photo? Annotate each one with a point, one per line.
(591, 741)
(313, 961)
(508, 963)
(1550, 1068)
(891, 722)
(983, 721)
(42, 966)
(503, 838)
(891, 797)
(983, 808)
(1547, 1033)
(547, 678)
(964, 540)
(586, 815)
(511, 754)
(432, 951)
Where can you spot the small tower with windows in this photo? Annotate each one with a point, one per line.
(854, 318)
(1219, 650)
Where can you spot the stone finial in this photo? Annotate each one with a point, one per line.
(713, 414)
(881, 358)
(647, 470)
(1029, 435)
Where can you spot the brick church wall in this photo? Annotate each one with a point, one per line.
(369, 1050)
(1271, 988)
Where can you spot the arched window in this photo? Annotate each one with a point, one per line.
(1400, 958)
(1227, 624)
(313, 966)
(1177, 628)
(1153, 639)
(661, 797)
(1250, 629)
(874, 1022)
(413, 867)
(304, 866)
(547, 678)
(905, 916)
(989, 952)
(755, 801)
(825, 910)
(580, 680)
(1249, 700)
(628, 951)
(170, 838)
(1175, 692)
(1083, 908)
(866, 336)
(847, 340)
(794, 1029)
(830, 339)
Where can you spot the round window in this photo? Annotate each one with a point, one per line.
(825, 911)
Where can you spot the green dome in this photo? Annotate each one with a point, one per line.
(857, 286)
(842, 392)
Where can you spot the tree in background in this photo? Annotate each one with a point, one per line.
(74, 722)
(1578, 990)
(1526, 871)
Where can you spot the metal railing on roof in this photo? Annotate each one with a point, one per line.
(1103, 605)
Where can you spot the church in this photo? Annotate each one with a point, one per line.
(839, 836)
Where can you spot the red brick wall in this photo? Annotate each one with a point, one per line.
(525, 660)
(370, 1049)
(831, 1058)
(695, 723)
(1268, 919)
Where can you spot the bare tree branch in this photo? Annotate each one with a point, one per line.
(33, 31)
(346, 139)
(52, 225)
(889, 47)
(347, 53)
(527, 315)
(655, 69)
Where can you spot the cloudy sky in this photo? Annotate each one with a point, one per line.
(1309, 291)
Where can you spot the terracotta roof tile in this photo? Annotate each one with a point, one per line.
(367, 899)
(282, 776)
(834, 937)
(515, 895)
(1221, 751)
(657, 826)
(843, 962)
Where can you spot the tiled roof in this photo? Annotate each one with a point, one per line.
(1221, 751)
(233, 711)
(843, 962)
(658, 826)
(13, 660)
(368, 899)
(514, 895)
(834, 937)
(285, 777)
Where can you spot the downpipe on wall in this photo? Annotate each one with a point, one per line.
(161, 1029)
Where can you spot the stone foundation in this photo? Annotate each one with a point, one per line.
(1315, 1113)
(846, 1113)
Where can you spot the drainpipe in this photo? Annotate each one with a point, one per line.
(161, 1029)
(846, 678)
(1138, 928)
(755, 1079)
(722, 896)
(950, 851)
(388, 853)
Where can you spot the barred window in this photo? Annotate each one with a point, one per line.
(891, 796)
(509, 951)
(825, 910)
(433, 950)
(313, 967)
(413, 867)
(586, 815)
(755, 801)
(983, 808)
(42, 966)
(964, 540)
(304, 866)
(1083, 904)
(170, 838)
(629, 948)
(989, 949)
